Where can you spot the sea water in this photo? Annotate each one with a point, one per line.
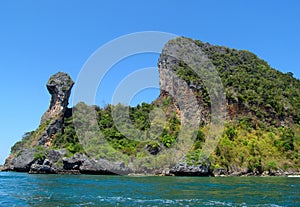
(21, 189)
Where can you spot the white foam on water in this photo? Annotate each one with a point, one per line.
(143, 201)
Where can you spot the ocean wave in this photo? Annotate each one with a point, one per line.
(175, 202)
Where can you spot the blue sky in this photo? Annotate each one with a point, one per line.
(39, 38)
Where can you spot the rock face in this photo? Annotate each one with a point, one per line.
(21, 162)
(83, 164)
(182, 92)
(42, 168)
(190, 107)
(183, 169)
(59, 86)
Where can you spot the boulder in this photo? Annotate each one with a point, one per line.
(41, 169)
(73, 163)
(220, 172)
(54, 156)
(183, 169)
(22, 162)
(86, 165)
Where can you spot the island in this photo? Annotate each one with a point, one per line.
(261, 134)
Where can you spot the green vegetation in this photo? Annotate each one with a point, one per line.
(137, 141)
(252, 87)
(68, 138)
(40, 154)
(259, 149)
(25, 142)
(29, 139)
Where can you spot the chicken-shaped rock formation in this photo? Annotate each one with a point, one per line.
(59, 86)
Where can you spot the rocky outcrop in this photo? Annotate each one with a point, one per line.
(187, 99)
(21, 162)
(38, 158)
(184, 169)
(42, 167)
(185, 94)
(220, 172)
(85, 165)
(77, 164)
(59, 86)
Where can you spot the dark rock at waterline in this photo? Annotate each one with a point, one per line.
(183, 169)
(22, 162)
(41, 169)
(86, 165)
(219, 172)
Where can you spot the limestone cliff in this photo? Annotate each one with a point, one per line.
(184, 93)
(59, 86)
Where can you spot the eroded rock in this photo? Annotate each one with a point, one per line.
(22, 162)
(184, 169)
(59, 86)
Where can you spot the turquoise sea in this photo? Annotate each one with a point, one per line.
(21, 189)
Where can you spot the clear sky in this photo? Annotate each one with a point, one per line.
(40, 38)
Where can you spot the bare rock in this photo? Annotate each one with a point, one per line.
(181, 91)
(59, 86)
(183, 169)
(72, 163)
(220, 172)
(86, 165)
(54, 156)
(41, 169)
(22, 162)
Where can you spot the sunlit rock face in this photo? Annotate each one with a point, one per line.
(187, 98)
(59, 86)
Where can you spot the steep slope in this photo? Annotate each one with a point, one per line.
(262, 129)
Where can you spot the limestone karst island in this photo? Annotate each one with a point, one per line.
(261, 134)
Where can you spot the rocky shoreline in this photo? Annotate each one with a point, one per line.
(221, 172)
(44, 169)
(57, 163)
